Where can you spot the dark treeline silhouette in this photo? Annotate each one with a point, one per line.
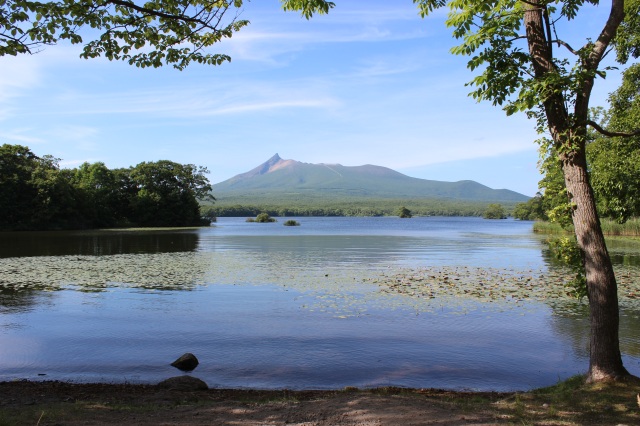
(36, 194)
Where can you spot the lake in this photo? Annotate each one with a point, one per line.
(457, 303)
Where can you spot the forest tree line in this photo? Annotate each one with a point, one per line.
(614, 164)
(343, 207)
(36, 194)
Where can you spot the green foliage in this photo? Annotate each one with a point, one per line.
(630, 228)
(148, 34)
(291, 222)
(167, 193)
(615, 162)
(404, 213)
(320, 206)
(37, 194)
(550, 228)
(33, 191)
(308, 7)
(555, 201)
(627, 40)
(494, 211)
(491, 34)
(264, 218)
(103, 194)
(531, 210)
(567, 252)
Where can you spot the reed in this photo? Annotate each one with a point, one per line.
(550, 228)
(630, 228)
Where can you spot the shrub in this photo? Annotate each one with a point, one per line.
(292, 223)
(264, 218)
(494, 211)
(404, 213)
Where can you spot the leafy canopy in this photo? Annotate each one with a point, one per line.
(36, 194)
(145, 34)
(494, 211)
(493, 36)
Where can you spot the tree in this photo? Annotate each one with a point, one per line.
(17, 196)
(533, 209)
(168, 193)
(615, 161)
(264, 218)
(98, 195)
(556, 91)
(35, 194)
(404, 213)
(33, 191)
(524, 65)
(494, 211)
(145, 34)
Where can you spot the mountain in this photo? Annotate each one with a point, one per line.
(289, 179)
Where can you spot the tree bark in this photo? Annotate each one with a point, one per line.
(605, 361)
(569, 136)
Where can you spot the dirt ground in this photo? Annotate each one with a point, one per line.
(58, 403)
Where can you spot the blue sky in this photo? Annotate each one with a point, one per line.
(371, 83)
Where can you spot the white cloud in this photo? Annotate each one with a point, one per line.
(191, 101)
(21, 136)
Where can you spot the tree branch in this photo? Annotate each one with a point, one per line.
(159, 13)
(612, 134)
(566, 45)
(608, 33)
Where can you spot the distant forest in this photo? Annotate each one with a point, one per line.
(350, 207)
(36, 194)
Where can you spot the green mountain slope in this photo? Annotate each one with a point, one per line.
(283, 180)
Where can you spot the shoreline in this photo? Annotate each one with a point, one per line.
(571, 402)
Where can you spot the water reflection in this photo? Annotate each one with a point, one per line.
(18, 301)
(273, 306)
(573, 327)
(260, 337)
(96, 243)
(377, 247)
(623, 251)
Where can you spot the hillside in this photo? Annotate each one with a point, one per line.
(293, 181)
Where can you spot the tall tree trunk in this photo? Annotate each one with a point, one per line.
(605, 362)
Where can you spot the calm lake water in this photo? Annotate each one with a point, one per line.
(269, 306)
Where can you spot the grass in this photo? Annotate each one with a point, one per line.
(631, 228)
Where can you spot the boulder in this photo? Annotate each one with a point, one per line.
(186, 362)
(183, 383)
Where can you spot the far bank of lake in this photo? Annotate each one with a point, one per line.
(460, 303)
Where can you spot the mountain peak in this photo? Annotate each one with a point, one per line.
(274, 159)
(272, 164)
